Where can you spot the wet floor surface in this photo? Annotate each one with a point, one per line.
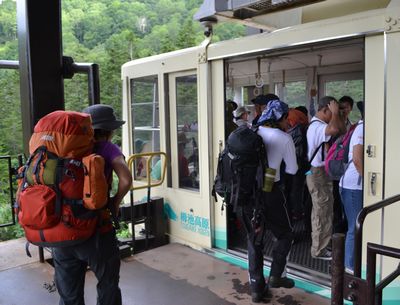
(168, 275)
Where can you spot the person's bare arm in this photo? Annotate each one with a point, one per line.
(336, 125)
(124, 180)
(358, 151)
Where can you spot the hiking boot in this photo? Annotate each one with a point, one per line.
(257, 297)
(325, 254)
(277, 282)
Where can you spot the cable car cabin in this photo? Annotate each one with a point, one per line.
(176, 103)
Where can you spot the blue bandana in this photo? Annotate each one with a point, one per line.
(273, 112)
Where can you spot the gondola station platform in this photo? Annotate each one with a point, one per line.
(169, 275)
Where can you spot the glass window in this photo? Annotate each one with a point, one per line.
(146, 121)
(187, 131)
(294, 93)
(353, 88)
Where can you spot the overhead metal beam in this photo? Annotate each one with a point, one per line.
(243, 11)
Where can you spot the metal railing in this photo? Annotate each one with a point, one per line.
(148, 183)
(351, 286)
(149, 161)
(11, 173)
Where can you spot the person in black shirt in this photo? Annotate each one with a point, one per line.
(260, 103)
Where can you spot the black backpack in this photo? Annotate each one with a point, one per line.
(299, 136)
(240, 169)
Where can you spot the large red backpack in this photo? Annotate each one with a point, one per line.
(50, 199)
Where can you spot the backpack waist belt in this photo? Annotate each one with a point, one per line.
(73, 201)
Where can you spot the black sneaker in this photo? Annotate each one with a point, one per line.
(325, 254)
(257, 297)
(277, 282)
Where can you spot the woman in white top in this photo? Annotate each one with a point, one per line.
(351, 190)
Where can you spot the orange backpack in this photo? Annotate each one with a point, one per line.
(54, 206)
(95, 187)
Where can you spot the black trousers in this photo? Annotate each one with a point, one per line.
(275, 217)
(101, 254)
(295, 193)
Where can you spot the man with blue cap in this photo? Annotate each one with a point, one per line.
(279, 147)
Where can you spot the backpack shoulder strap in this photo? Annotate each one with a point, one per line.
(319, 146)
(316, 151)
(347, 146)
(263, 153)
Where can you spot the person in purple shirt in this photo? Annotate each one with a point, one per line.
(101, 252)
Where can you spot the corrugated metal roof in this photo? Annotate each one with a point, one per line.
(244, 9)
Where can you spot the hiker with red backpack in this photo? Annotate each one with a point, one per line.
(326, 123)
(100, 252)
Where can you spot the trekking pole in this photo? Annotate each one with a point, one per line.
(132, 221)
(147, 220)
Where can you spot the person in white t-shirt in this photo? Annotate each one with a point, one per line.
(351, 190)
(274, 214)
(326, 124)
(339, 218)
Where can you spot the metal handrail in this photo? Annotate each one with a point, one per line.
(149, 157)
(359, 226)
(374, 292)
(353, 287)
(9, 64)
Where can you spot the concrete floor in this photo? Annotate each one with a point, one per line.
(168, 275)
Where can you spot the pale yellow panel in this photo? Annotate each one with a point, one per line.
(346, 26)
(374, 128)
(192, 208)
(392, 143)
(218, 134)
(337, 8)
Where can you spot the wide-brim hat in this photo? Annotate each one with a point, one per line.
(239, 111)
(103, 117)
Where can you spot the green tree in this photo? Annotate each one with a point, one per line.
(106, 32)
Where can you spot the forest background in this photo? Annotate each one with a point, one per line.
(108, 33)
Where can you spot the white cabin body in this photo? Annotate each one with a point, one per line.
(350, 43)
